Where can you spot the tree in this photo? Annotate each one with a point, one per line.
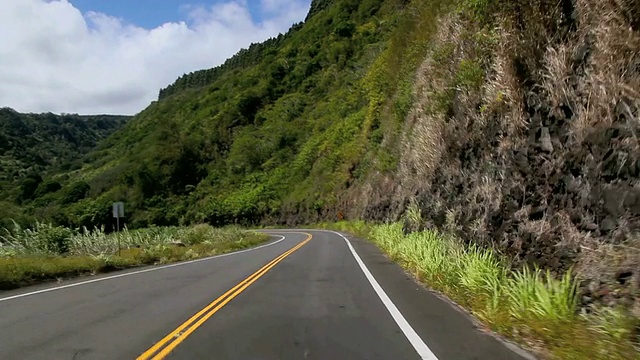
(28, 186)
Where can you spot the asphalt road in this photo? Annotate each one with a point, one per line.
(306, 295)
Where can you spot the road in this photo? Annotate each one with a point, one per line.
(304, 295)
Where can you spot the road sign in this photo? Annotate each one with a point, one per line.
(118, 210)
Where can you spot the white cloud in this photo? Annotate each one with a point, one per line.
(54, 58)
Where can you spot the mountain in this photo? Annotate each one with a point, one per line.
(240, 142)
(37, 146)
(512, 124)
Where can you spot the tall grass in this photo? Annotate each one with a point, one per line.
(47, 252)
(358, 228)
(49, 240)
(527, 304)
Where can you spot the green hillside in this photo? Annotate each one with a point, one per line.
(34, 147)
(273, 134)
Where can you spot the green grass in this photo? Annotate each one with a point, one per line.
(29, 256)
(357, 228)
(529, 306)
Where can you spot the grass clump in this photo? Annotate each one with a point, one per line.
(358, 228)
(28, 256)
(528, 305)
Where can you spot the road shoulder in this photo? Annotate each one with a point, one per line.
(449, 331)
(83, 279)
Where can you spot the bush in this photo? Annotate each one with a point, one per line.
(28, 186)
(197, 234)
(470, 74)
(43, 239)
(75, 192)
(47, 187)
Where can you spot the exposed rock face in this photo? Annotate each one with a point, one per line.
(542, 161)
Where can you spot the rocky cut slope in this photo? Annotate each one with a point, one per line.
(523, 136)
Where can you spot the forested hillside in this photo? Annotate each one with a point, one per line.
(34, 147)
(274, 133)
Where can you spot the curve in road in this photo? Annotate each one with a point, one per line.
(309, 294)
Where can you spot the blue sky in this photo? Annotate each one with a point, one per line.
(152, 13)
(112, 56)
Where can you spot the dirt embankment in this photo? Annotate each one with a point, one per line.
(524, 137)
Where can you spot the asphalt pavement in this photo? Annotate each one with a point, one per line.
(305, 295)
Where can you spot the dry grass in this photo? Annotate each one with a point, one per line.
(447, 117)
(503, 95)
(446, 106)
(472, 155)
(595, 72)
(424, 133)
(595, 253)
(446, 113)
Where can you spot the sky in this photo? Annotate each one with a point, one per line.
(112, 57)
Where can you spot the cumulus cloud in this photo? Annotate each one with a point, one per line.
(54, 58)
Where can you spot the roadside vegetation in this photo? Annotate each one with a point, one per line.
(47, 252)
(525, 304)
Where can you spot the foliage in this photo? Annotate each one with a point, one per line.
(317, 6)
(277, 130)
(32, 255)
(533, 304)
(11, 213)
(75, 192)
(43, 239)
(479, 9)
(470, 74)
(358, 228)
(245, 58)
(35, 147)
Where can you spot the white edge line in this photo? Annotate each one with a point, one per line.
(136, 272)
(413, 337)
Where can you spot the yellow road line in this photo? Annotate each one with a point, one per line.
(177, 336)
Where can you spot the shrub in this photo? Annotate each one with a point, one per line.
(43, 239)
(75, 192)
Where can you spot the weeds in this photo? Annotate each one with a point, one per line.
(43, 239)
(357, 228)
(527, 304)
(413, 215)
(470, 74)
(47, 252)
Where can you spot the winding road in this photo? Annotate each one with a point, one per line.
(307, 294)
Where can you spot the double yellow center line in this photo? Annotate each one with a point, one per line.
(163, 347)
